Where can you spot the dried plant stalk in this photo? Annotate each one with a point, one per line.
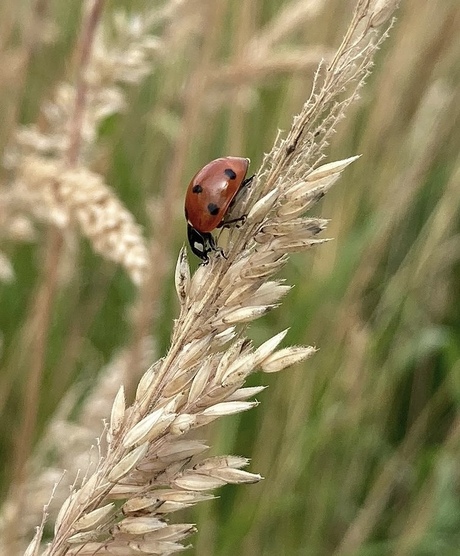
(63, 446)
(51, 160)
(150, 465)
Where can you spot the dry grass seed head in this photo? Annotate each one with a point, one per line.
(126, 472)
(61, 196)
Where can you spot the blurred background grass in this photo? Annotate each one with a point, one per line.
(360, 446)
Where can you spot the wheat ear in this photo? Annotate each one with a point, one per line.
(150, 466)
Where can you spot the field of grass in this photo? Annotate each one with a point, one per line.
(359, 446)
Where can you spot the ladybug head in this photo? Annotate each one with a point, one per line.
(198, 243)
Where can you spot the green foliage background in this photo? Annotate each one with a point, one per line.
(360, 446)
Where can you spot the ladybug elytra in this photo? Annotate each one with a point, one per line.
(209, 196)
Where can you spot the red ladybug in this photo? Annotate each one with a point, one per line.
(209, 196)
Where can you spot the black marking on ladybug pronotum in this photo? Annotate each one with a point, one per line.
(213, 209)
(197, 188)
(230, 173)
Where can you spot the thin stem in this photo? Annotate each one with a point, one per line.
(84, 50)
(191, 125)
(31, 34)
(42, 306)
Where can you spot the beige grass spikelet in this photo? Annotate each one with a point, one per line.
(105, 221)
(34, 545)
(200, 379)
(6, 269)
(64, 445)
(92, 519)
(62, 196)
(14, 227)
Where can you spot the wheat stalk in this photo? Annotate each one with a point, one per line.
(150, 465)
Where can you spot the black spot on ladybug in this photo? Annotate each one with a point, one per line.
(197, 188)
(213, 209)
(230, 173)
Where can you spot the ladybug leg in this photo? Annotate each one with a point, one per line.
(227, 223)
(241, 219)
(214, 247)
(247, 182)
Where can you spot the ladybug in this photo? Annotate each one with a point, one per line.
(210, 195)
